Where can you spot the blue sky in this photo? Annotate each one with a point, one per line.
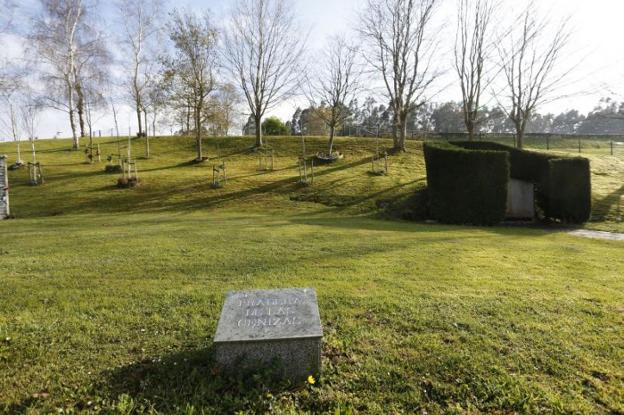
(597, 47)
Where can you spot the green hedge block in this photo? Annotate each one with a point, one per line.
(550, 177)
(570, 190)
(465, 186)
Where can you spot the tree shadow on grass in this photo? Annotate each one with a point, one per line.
(205, 197)
(187, 380)
(603, 207)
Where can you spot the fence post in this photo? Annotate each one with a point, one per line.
(579, 142)
(611, 147)
(547, 142)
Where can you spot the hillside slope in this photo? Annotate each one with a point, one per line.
(171, 183)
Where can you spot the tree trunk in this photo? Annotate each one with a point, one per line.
(396, 128)
(19, 154)
(520, 135)
(258, 120)
(470, 129)
(198, 136)
(520, 139)
(81, 110)
(400, 134)
(332, 129)
(138, 112)
(32, 145)
(115, 119)
(72, 123)
(146, 129)
(188, 118)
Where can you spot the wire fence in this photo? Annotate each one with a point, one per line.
(569, 143)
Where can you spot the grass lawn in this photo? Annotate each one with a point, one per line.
(109, 298)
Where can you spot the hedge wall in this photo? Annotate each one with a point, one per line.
(562, 184)
(570, 190)
(466, 186)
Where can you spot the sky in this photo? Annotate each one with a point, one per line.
(596, 50)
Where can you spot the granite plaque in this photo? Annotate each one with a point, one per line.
(281, 328)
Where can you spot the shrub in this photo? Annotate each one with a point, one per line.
(274, 126)
(466, 186)
(569, 190)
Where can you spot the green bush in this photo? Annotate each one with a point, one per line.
(274, 126)
(466, 186)
(570, 190)
(550, 174)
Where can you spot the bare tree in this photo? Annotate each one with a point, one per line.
(9, 119)
(222, 109)
(112, 96)
(335, 86)
(56, 42)
(30, 111)
(91, 72)
(529, 57)
(473, 47)
(400, 48)
(194, 65)
(262, 49)
(141, 21)
(155, 101)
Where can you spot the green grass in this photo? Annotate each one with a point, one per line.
(110, 298)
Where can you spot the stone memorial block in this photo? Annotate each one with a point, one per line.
(4, 189)
(520, 200)
(272, 328)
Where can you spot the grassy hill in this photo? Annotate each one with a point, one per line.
(110, 297)
(171, 183)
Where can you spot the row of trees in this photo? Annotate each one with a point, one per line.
(183, 66)
(371, 118)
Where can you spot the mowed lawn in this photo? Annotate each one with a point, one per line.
(109, 298)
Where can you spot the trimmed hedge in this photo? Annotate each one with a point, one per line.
(466, 186)
(570, 190)
(562, 184)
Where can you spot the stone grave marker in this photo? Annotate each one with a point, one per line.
(4, 189)
(271, 328)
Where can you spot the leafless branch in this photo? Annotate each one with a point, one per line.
(263, 51)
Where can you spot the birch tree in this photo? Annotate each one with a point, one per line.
(141, 21)
(30, 110)
(10, 116)
(529, 57)
(55, 42)
(263, 48)
(400, 48)
(474, 44)
(335, 85)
